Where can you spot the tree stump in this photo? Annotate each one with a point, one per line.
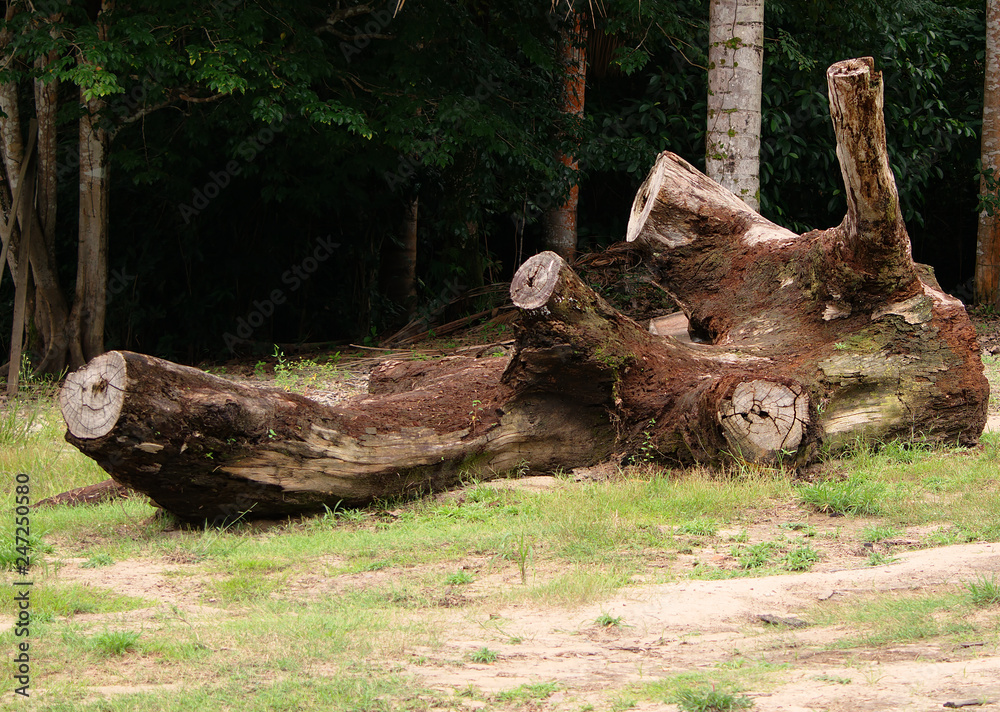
(798, 343)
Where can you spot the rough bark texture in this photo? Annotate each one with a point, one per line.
(798, 342)
(51, 312)
(735, 64)
(207, 448)
(988, 241)
(843, 313)
(92, 254)
(105, 491)
(560, 222)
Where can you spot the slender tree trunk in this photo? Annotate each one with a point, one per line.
(560, 222)
(95, 186)
(51, 312)
(735, 63)
(988, 244)
(92, 255)
(46, 105)
(399, 263)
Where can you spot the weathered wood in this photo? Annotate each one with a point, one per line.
(799, 342)
(844, 312)
(204, 447)
(105, 491)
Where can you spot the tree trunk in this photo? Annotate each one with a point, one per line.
(560, 222)
(92, 254)
(207, 448)
(399, 262)
(735, 65)
(801, 342)
(842, 313)
(988, 243)
(51, 312)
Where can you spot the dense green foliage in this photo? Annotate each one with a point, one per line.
(259, 213)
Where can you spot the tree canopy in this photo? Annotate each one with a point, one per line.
(263, 152)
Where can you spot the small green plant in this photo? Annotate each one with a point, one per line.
(879, 532)
(606, 620)
(856, 495)
(475, 413)
(13, 548)
(806, 529)
(96, 561)
(710, 700)
(877, 558)
(114, 642)
(756, 555)
(698, 527)
(646, 452)
(519, 549)
(458, 578)
(17, 423)
(984, 591)
(528, 692)
(620, 704)
(485, 656)
(832, 678)
(800, 559)
(284, 375)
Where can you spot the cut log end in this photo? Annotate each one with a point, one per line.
(763, 420)
(644, 201)
(91, 399)
(852, 67)
(535, 281)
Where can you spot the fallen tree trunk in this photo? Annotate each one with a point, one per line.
(800, 342)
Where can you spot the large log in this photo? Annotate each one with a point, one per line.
(798, 342)
(844, 312)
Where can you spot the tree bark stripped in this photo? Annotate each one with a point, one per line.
(735, 70)
(560, 221)
(987, 277)
(799, 342)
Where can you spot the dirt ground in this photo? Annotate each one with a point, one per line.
(665, 629)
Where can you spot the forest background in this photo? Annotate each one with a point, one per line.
(240, 174)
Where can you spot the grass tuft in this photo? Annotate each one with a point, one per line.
(858, 495)
(710, 700)
(984, 591)
(484, 655)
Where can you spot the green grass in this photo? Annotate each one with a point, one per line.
(879, 532)
(459, 578)
(51, 598)
(859, 495)
(984, 591)
(606, 620)
(528, 692)
(484, 655)
(114, 643)
(755, 556)
(698, 527)
(710, 700)
(892, 619)
(800, 559)
(97, 560)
